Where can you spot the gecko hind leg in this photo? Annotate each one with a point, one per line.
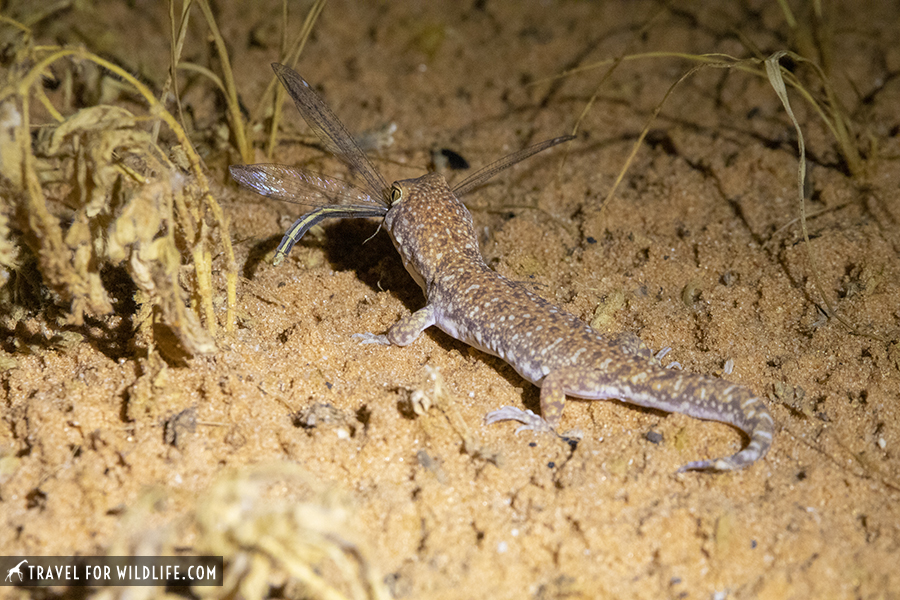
(553, 400)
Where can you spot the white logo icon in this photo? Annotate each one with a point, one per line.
(15, 571)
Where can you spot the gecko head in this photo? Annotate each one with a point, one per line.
(429, 226)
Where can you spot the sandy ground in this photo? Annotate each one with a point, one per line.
(104, 447)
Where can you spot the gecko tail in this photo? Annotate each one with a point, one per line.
(712, 400)
(760, 441)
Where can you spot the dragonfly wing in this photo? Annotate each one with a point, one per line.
(330, 130)
(482, 175)
(281, 182)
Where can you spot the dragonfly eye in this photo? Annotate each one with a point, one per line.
(396, 195)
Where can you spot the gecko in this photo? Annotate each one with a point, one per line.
(434, 234)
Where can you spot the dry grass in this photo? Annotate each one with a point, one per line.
(98, 189)
(820, 96)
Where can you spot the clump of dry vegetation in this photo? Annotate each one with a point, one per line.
(108, 212)
(97, 190)
(274, 525)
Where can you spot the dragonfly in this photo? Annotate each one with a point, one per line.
(329, 196)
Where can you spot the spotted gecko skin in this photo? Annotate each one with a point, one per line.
(434, 234)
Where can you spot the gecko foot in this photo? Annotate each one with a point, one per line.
(528, 419)
(371, 338)
(659, 356)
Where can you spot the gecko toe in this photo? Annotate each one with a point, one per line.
(371, 338)
(529, 420)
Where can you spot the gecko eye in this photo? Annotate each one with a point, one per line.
(396, 195)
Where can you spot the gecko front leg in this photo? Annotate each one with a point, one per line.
(405, 331)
